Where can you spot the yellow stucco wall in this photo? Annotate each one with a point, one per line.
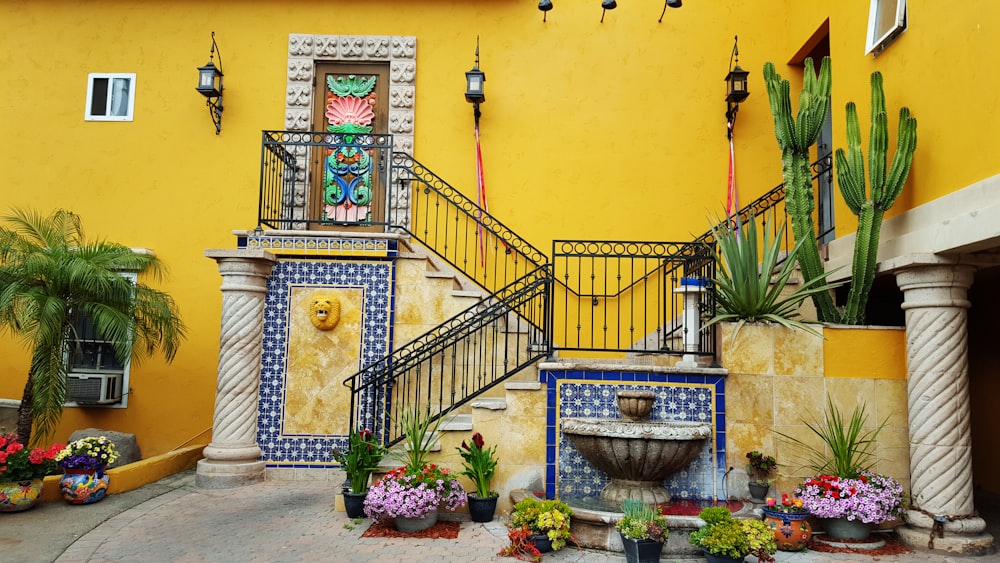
(871, 352)
(590, 130)
(778, 382)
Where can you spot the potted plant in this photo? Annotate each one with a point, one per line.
(643, 529)
(412, 494)
(21, 472)
(479, 465)
(845, 491)
(852, 506)
(760, 467)
(363, 455)
(752, 277)
(83, 463)
(788, 520)
(547, 520)
(725, 539)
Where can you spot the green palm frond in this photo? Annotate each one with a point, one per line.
(50, 275)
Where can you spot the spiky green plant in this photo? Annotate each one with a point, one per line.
(795, 136)
(418, 435)
(746, 285)
(848, 448)
(50, 275)
(870, 206)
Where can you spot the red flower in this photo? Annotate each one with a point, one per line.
(14, 447)
(366, 435)
(465, 446)
(36, 456)
(477, 439)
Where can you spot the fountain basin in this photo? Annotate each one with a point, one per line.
(636, 456)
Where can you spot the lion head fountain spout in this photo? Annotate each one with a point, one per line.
(637, 454)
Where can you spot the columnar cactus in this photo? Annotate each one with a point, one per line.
(795, 136)
(870, 207)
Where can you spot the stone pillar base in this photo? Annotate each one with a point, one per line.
(964, 544)
(216, 475)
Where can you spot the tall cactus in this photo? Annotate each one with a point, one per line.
(795, 136)
(870, 207)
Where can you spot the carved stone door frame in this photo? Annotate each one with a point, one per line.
(305, 50)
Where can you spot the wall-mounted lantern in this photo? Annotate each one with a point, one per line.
(210, 85)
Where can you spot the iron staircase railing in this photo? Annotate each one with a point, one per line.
(466, 356)
(457, 361)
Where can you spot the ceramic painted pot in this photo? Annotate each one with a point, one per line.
(17, 496)
(83, 486)
(411, 525)
(791, 531)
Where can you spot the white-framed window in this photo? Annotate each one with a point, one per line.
(95, 377)
(110, 96)
(886, 20)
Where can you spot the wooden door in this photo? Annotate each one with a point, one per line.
(347, 190)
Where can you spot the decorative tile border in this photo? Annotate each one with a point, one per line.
(591, 394)
(376, 280)
(303, 245)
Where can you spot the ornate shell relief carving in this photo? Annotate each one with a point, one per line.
(304, 50)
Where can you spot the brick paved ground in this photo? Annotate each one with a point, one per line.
(276, 521)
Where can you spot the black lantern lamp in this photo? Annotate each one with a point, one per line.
(672, 4)
(474, 93)
(736, 86)
(210, 85)
(545, 6)
(607, 5)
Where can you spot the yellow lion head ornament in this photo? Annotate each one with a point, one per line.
(324, 311)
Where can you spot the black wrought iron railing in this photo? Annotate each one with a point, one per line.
(627, 296)
(455, 228)
(596, 295)
(322, 180)
(456, 361)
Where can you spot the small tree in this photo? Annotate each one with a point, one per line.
(50, 277)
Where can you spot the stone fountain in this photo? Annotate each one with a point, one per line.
(638, 455)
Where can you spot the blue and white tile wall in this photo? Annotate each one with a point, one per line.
(376, 279)
(591, 394)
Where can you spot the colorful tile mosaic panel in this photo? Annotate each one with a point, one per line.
(591, 394)
(375, 279)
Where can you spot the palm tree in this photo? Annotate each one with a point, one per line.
(51, 277)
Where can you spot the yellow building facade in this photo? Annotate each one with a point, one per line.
(609, 130)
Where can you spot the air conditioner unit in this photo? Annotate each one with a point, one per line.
(94, 388)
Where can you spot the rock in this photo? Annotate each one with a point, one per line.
(128, 447)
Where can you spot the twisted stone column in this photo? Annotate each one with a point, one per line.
(939, 413)
(233, 457)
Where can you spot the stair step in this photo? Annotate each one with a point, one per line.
(493, 404)
(522, 385)
(456, 423)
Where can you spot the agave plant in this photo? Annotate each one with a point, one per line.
(751, 283)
